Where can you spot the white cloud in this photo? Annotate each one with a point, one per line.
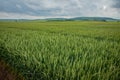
(4, 15)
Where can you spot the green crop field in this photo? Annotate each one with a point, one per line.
(62, 50)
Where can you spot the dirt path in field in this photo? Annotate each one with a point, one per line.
(6, 73)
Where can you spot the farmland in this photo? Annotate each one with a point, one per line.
(62, 50)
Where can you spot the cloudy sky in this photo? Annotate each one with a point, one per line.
(33, 9)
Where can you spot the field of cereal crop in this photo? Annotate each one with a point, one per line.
(62, 50)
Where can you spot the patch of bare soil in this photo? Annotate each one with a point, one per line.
(6, 72)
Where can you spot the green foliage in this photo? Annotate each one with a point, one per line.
(66, 50)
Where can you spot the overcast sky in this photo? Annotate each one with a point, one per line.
(32, 9)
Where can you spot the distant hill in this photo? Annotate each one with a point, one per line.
(94, 18)
(56, 19)
(85, 19)
(66, 19)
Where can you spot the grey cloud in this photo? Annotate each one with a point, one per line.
(106, 8)
(12, 6)
(116, 4)
(19, 6)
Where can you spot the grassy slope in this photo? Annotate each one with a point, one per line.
(62, 50)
